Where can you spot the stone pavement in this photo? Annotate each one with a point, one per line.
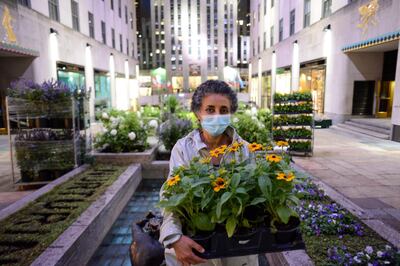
(363, 169)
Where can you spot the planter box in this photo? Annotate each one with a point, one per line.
(260, 240)
(127, 157)
(326, 123)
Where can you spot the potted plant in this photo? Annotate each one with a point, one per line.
(172, 130)
(230, 210)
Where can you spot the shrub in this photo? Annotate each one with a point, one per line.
(123, 132)
(172, 130)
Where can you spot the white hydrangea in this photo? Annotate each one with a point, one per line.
(153, 123)
(132, 135)
(139, 114)
(113, 132)
(369, 249)
(254, 118)
(104, 115)
(254, 110)
(113, 118)
(141, 123)
(247, 112)
(235, 120)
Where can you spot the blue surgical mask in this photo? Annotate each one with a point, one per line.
(215, 125)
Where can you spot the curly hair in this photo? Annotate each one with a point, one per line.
(213, 87)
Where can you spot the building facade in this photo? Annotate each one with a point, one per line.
(83, 43)
(345, 52)
(193, 40)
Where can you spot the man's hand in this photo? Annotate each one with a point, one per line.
(184, 253)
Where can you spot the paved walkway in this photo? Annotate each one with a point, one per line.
(365, 170)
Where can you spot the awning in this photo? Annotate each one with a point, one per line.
(7, 49)
(388, 37)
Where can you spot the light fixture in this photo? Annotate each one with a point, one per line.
(327, 27)
(295, 42)
(53, 31)
(88, 45)
(273, 52)
(111, 54)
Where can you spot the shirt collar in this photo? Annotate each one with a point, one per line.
(199, 144)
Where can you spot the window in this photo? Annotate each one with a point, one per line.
(25, 2)
(127, 46)
(91, 25)
(258, 44)
(119, 8)
(258, 12)
(112, 4)
(54, 10)
(271, 36)
(292, 21)
(131, 20)
(265, 41)
(307, 13)
(75, 15)
(272, 3)
(126, 15)
(265, 7)
(133, 49)
(120, 43)
(103, 32)
(326, 8)
(113, 37)
(281, 29)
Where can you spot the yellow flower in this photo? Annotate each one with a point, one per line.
(233, 161)
(214, 153)
(280, 176)
(273, 158)
(205, 160)
(212, 176)
(254, 147)
(222, 171)
(290, 177)
(269, 148)
(235, 146)
(173, 181)
(282, 143)
(219, 184)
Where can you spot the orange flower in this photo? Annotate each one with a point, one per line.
(273, 158)
(254, 147)
(234, 147)
(219, 184)
(173, 180)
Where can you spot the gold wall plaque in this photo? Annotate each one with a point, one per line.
(368, 15)
(7, 18)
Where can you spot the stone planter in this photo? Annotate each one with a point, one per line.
(126, 158)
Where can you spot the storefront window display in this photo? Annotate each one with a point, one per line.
(312, 79)
(72, 75)
(266, 91)
(102, 92)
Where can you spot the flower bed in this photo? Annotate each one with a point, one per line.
(25, 234)
(333, 236)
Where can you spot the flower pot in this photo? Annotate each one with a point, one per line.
(204, 239)
(287, 233)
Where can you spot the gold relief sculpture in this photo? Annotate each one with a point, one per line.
(7, 18)
(368, 14)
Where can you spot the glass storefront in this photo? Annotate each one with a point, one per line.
(266, 90)
(312, 79)
(283, 80)
(73, 76)
(102, 92)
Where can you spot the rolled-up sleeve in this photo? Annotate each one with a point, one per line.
(171, 228)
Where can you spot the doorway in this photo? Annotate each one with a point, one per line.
(363, 97)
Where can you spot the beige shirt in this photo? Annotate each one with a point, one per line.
(182, 153)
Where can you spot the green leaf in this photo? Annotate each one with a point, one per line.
(202, 222)
(284, 213)
(231, 225)
(225, 197)
(235, 180)
(246, 223)
(264, 184)
(257, 201)
(294, 199)
(241, 190)
(200, 183)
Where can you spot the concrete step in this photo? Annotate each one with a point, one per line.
(374, 128)
(352, 129)
(375, 122)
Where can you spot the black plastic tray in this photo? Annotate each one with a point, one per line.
(259, 240)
